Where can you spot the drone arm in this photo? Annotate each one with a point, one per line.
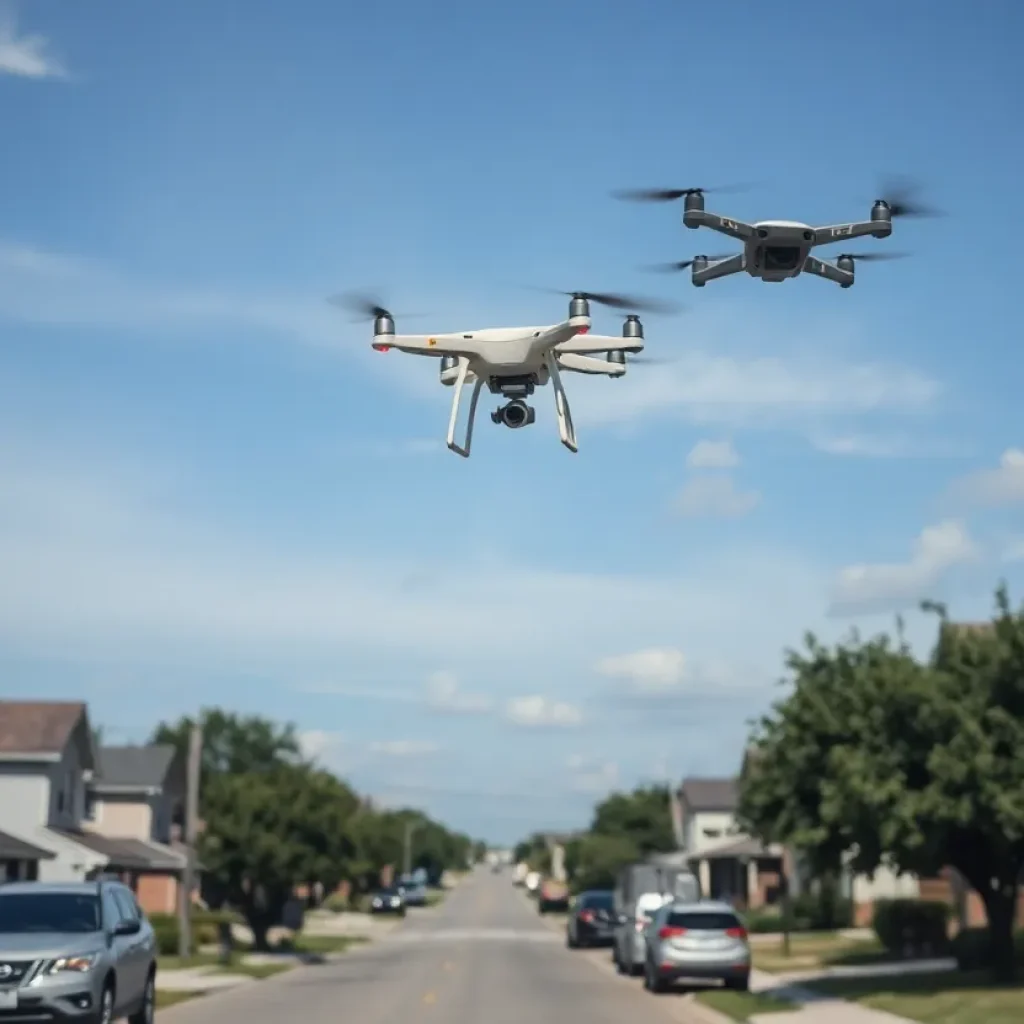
(566, 430)
(861, 229)
(588, 364)
(546, 340)
(723, 225)
(585, 344)
(460, 382)
(829, 271)
(723, 268)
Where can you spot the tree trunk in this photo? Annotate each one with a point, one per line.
(1001, 910)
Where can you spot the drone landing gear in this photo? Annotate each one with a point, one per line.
(566, 430)
(460, 381)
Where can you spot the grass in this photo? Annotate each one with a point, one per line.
(435, 896)
(177, 963)
(165, 998)
(740, 1005)
(818, 949)
(948, 998)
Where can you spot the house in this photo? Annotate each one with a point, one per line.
(132, 804)
(729, 864)
(47, 754)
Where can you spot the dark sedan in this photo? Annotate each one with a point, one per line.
(591, 920)
(388, 901)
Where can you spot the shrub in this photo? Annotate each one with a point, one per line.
(973, 952)
(912, 927)
(336, 904)
(205, 929)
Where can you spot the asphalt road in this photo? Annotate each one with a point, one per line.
(483, 957)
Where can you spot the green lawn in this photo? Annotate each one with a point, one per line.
(740, 1005)
(947, 998)
(165, 998)
(817, 949)
(177, 963)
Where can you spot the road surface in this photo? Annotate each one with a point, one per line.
(485, 956)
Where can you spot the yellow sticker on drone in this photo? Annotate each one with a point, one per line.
(431, 341)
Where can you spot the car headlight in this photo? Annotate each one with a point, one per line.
(78, 964)
(396, 903)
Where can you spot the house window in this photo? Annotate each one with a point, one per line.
(712, 833)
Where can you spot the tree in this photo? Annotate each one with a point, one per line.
(268, 831)
(593, 861)
(878, 757)
(232, 743)
(643, 817)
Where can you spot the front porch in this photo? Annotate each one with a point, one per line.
(19, 860)
(742, 871)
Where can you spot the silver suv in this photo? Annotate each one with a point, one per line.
(77, 952)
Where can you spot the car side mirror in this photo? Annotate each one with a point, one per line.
(128, 928)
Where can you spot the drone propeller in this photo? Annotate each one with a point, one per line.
(631, 303)
(899, 195)
(365, 307)
(670, 195)
(683, 264)
(873, 257)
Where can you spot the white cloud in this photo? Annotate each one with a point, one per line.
(538, 711)
(865, 588)
(883, 447)
(712, 455)
(1001, 486)
(26, 56)
(652, 670)
(445, 694)
(591, 775)
(403, 748)
(714, 496)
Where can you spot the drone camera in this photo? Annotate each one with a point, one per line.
(514, 414)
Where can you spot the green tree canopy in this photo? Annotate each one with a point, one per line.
(643, 817)
(878, 757)
(593, 861)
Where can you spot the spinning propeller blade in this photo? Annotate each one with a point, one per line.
(873, 257)
(670, 195)
(630, 303)
(683, 264)
(900, 195)
(365, 307)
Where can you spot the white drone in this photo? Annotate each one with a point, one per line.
(775, 250)
(513, 361)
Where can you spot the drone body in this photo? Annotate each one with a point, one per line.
(775, 250)
(513, 361)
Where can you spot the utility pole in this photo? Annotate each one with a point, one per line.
(410, 827)
(195, 754)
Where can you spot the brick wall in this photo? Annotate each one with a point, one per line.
(157, 894)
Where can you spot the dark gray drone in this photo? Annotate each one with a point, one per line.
(775, 250)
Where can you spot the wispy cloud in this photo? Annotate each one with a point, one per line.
(885, 447)
(403, 748)
(537, 711)
(25, 55)
(709, 454)
(1001, 486)
(714, 496)
(892, 586)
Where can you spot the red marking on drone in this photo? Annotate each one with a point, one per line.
(582, 330)
(381, 348)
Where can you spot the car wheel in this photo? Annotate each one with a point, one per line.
(105, 1011)
(144, 1014)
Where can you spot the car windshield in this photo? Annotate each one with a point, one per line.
(385, 893)
(703, 921)
(42, 912)
(597, 901)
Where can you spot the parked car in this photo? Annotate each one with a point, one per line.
(414, 893)
(697, 940)
(552, 897)
(591, 920)
(388, 901)
(75, 952)
(629, 950)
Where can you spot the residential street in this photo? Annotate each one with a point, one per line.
(482, 955)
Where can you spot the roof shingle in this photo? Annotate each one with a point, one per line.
(135, 766)
(37, 727)
(709, 794)
(13, 848)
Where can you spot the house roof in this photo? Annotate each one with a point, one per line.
(741, 846)
(12, 848)
(134, 767)
(709, 794)
(39, 728)
(128, 853)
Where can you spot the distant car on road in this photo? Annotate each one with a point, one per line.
(78, 952)
(553, 896)
(388, 901)
(591, 920)
(697, 940)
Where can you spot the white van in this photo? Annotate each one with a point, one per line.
(630, 950)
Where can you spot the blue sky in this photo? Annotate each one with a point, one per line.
(213, 492)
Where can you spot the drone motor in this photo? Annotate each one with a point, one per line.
(448, 363)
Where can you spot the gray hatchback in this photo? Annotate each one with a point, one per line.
(77, 952)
